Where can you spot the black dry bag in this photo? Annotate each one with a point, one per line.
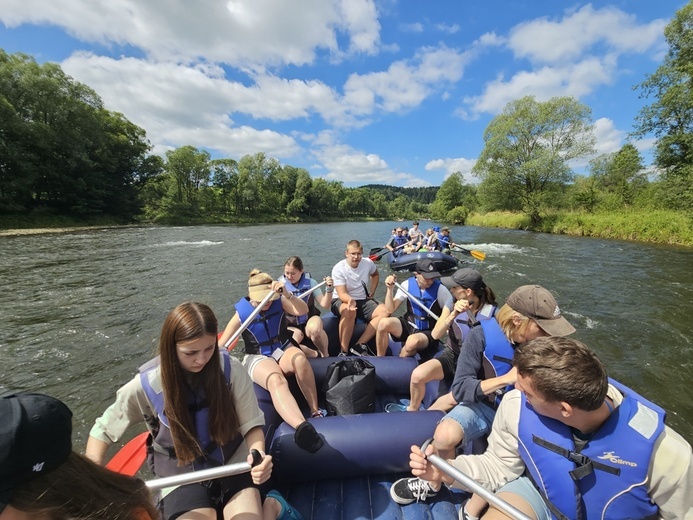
(350, 387)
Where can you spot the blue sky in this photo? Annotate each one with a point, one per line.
(394, 92)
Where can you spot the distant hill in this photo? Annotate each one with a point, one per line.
(423, 195)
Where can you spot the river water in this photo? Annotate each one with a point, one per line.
(81, 311)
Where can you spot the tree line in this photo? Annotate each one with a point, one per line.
(61, 151)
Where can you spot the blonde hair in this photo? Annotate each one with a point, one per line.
(504, 317)
(257, 277)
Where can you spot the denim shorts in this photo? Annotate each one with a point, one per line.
(524, 488)
(476, 419)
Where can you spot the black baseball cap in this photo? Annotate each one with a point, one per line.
(466, 277)
(35, 438)
(426, 268)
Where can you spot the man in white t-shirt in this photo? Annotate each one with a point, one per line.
(355, 281)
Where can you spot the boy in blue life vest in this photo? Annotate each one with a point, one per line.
(570, 443)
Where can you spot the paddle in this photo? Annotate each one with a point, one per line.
(130, 457)
(416, 301)
(376, 257)
(473, 485)
(479, 255)
(248, 321)
(204, 474)
(309, 291)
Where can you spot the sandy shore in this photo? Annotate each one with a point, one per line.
(46, 231)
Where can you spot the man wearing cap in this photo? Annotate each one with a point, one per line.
(570, 443)
(413, 329)
(484, 373)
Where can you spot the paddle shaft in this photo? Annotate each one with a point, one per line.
(249, 320)
(198, 476)
(310, 291)
(204, 474)
(417, 302)
(474, 486)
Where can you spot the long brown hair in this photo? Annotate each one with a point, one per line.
(78, 489)
(188, 322)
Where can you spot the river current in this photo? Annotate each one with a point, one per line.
(81, 311)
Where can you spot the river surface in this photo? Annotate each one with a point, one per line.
(81, 311)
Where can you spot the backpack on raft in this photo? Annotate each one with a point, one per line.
(350, 387)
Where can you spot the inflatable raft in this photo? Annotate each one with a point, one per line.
(407, 262)
(349, 478)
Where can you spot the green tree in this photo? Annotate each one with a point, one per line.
(189, 170)
(526, 150)
(620, 174)
(670, 116)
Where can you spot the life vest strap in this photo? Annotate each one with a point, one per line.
(585, 465)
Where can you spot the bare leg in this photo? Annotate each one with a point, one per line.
(431, 370)
(447, 436)
(515, 500)
(386, 327)
(269, 376)
(347, 319)
(295, 362)
(199, 514)
(244, 504)
(414, 343)
(444, 403)
(379, 313)
(317, 334)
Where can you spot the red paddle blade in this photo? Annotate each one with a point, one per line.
(130, 457)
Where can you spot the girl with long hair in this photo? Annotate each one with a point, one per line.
(201, 411)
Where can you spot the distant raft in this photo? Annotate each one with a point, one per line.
(407, 262)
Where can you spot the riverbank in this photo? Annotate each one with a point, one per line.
(657, 227)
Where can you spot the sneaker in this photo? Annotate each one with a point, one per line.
(407, 490)
(361, 349)
(395, 407)
(343, 354)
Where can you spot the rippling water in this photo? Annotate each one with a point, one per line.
(81, 311)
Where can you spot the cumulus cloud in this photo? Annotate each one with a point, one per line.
(450, 166)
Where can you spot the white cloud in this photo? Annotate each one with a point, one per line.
(450, 166)
(448, 28)
(544, 40)
(244, 33)
(411, 27)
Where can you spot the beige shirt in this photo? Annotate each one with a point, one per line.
(133, 407)
(670, 484)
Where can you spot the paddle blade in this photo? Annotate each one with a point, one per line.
(479, 255)
(130, 457)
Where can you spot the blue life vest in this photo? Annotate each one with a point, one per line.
(265, 334)
(415, 315)
(303, 285)
(608, 477)
(498, 356)
(443, 241)
(162, 457)
(462, 325)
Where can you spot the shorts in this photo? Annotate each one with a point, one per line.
(476, 419)
(523, 487)
(213, 494)
(448, 359)
(364, 308)
(250, 361)
(306, 340)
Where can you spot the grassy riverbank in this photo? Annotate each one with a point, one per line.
(661, 227)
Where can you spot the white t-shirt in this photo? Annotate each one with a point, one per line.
(352, 277)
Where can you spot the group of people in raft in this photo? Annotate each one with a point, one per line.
(408, 240)
(564, 441)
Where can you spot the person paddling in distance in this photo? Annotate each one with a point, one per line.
(42, 478)
(307, 329)
(413, 329)
(270, 356)
(355, 281)
(200, 408)
(484, 373)
(570, 443)
(471, 294)
(397, 242)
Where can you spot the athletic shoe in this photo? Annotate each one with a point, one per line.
(343, 354)
(407, 490)
(361, 349)
(287, 512)
(395, 407)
